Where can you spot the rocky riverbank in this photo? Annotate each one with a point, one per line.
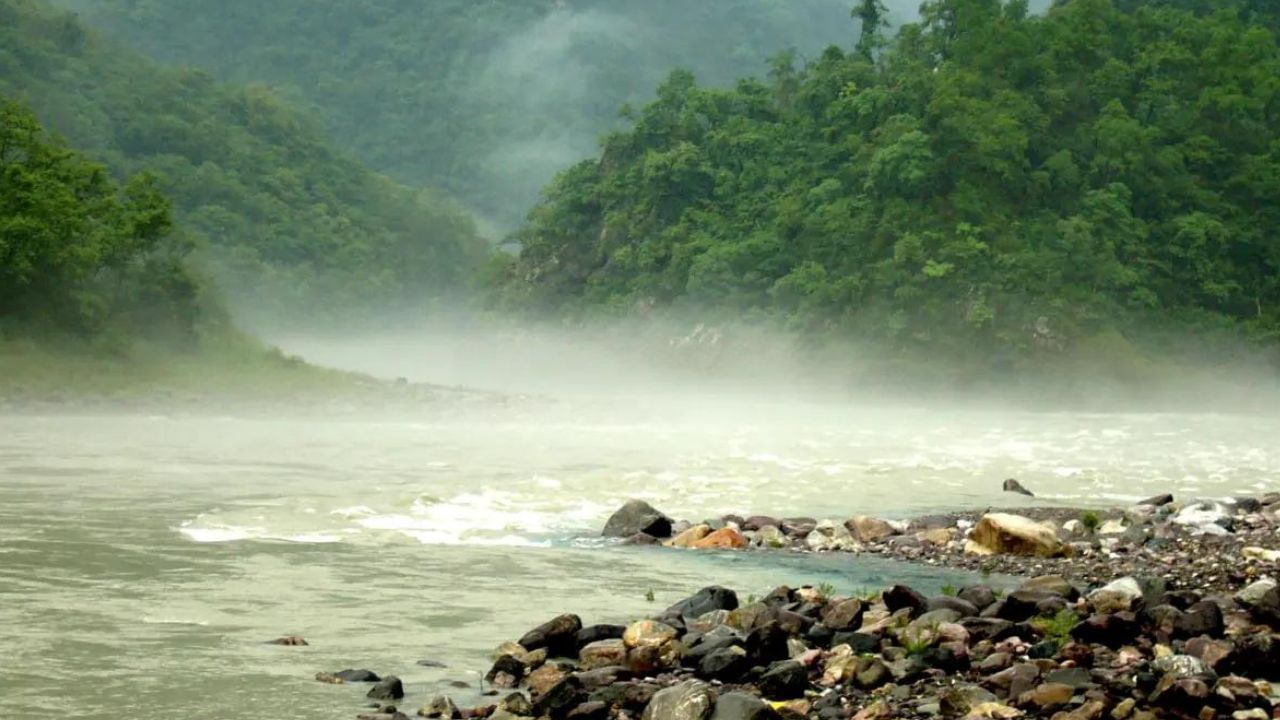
(1161, 610)
(1206, 546)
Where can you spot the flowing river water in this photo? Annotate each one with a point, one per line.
(145, 558)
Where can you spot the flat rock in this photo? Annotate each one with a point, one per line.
(1006, 534)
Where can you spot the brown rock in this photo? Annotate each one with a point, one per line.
(1006, 534)
(603, 653)
(687, 538)
(1048, 695)
(543, 679)
(289, 640)
(869, 529)
(722, 539)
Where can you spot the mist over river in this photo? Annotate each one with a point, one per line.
(145, 558)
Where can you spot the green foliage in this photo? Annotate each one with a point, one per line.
(276, 214)
(1058, 627)
(648, 595)
(950, 590)
(1091, 521)
(995, 187)
(826, 590)
(485, 99)
(83, 255)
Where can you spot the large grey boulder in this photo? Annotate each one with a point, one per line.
(635, 517)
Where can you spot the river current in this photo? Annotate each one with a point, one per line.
(145, 558)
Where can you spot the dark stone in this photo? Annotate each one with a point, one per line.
(1203, 618)
(798, 526)
(1266, 609)
(602, 677)
(1025, 604)
(634, 696)
(964, 607)
(1257, 655)
(1111, 630)
(767, 643)
(431, 664)
(590, 711)
(844, 615)
(980, 596)
(506, 664)
(1013, 486)
(859, 641)
(791, 622)
(1247, 504)
(1076, 677)
(389, 688)
(641, 539)
(726, 664)
(637, 516)
(704, 601)
(820, 635)
(594, 633)
(781, 595)
(1158, 500)
(517, 704)
(755, 522)
(981, 628)
(901, 596)
(784, 680)
(693, 656)
(944, 658)
(1181, 599)
(559, 636)
(741, 706)
(559, 699)
(1043, 650)
(353, 676)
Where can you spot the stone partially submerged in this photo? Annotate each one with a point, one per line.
(636, 517)
(1006, 534)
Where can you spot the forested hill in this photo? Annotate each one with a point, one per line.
(284, 221)
(993, 184)
(486, 99)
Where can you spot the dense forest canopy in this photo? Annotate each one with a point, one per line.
(83, 255)
(485, 99)
(994, 183)
(281, 218)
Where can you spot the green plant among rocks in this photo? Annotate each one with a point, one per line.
(1057, 627)
(1090, 521)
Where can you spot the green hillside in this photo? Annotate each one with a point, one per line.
(485, 99)
(994, 187)
(287, 224)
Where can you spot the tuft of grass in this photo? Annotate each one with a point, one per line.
(826, 590)
(1091, 521)
(648, 595)
(950, 590)
(1058, 627)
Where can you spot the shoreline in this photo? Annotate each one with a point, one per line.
(1159, 610)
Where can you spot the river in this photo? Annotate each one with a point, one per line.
(145, 558)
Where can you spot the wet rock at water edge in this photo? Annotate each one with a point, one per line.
(1013, 486)
(558, 635)
(1005, 534)
(357, 676)
(635, 517)
(389, 688)
(440, 706)
(289, 641)
(704, 601)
